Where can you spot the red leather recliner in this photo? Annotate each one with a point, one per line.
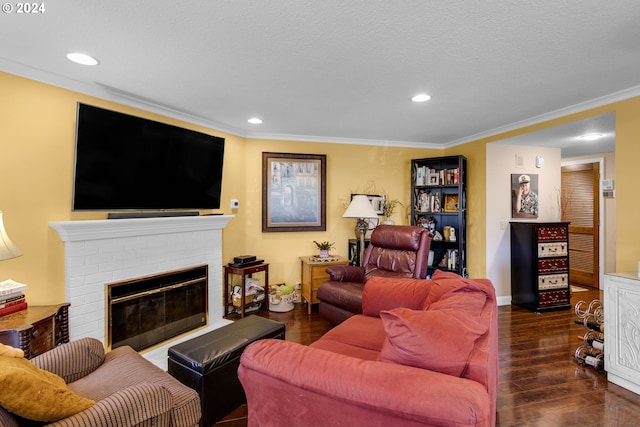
(393, 251)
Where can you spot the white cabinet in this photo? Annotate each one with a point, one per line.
(622, 329)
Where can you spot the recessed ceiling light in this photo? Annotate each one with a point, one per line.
(81, 58)
(421, 97)
(591, 136)
(254, 121)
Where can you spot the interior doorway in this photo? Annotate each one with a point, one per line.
(580, 205)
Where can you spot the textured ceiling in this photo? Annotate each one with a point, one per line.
(334, 69)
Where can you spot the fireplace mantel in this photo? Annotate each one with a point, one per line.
(72, 231)
(97, 252)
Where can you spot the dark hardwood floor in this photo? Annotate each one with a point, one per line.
(540, 383)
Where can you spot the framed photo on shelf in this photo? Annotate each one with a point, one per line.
(450, 203)
(434, 178)
(293, 192)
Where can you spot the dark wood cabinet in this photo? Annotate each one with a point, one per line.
(540, 265)
(37, 329)
(244, 305)
(439, 203)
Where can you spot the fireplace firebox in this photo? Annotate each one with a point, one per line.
(146, 311)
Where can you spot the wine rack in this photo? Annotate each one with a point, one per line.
(591, 350)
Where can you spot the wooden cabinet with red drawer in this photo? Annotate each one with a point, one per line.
(540, 265)
(37, 329)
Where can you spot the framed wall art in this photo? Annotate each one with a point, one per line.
(293, 192)
(524, 196)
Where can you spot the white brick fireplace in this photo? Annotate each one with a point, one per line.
(98, 252)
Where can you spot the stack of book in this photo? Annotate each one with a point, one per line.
(12, 297)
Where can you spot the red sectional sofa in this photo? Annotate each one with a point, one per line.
(424, 352)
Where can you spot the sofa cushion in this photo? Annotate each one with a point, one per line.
(467, 298)
(439, 340)
(35, 394)
(346, 349)
(384, 293)
(357, 332)
(442, 283)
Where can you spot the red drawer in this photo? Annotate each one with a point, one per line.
(552, 233)
(548, 298)
(553, 265)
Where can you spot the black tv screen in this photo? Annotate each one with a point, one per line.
(123, 162)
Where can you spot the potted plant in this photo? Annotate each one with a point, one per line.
(324, 248)
(389, 209)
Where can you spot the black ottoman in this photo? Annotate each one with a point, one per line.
(209, 364)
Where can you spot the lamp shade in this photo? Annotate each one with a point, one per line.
(360, 207)
(7, 249)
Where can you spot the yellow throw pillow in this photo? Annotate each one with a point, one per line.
(36, 394)
(6, 350)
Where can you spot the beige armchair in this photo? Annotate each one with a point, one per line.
(128, 389)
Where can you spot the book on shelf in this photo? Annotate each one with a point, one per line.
(12, 309)
(452, 176)
(422, 175)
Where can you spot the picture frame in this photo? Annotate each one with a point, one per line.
(524, 195)
(293, 192)
(378, 203)
(451, 203)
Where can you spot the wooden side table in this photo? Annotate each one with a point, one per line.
(313, 274)
(244, 272)
(37, 329)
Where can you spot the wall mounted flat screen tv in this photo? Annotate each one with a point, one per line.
(123, 162)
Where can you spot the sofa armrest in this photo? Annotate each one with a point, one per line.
(350, 387)
(7, 419)
(346, 273)
(73, 360)
(385, 293)
(144, 404)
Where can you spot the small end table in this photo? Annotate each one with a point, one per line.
(313, 274)
(244, 272)
(36, 329)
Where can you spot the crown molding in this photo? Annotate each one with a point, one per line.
(339, 140)
(122, 97)
(556, 114)
(108, 93)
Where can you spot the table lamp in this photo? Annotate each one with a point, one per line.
(7, 249)
(360, 208)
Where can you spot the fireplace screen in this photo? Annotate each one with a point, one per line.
(147, 311)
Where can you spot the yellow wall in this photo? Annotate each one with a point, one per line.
(627, 154)
(350, 168)
(37, 136)
(476, 202)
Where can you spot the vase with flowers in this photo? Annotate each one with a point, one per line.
(389, 208)
(324, 248)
